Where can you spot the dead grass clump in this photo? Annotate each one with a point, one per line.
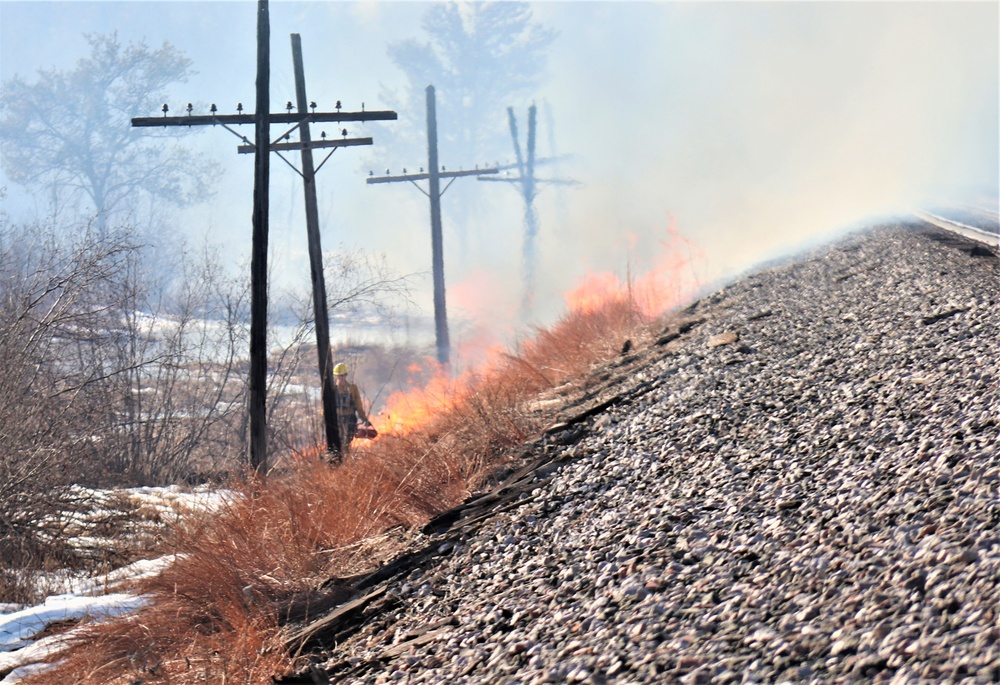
(263, 560)
(159, 645)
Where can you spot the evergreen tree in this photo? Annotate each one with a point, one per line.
(481, 57)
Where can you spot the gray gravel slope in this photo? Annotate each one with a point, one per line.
(809, 491)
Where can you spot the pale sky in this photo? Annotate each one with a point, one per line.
(760, 128)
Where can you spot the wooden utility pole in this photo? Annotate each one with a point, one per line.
(258, 261)
(257, 386)
(434, 193)
(437, 242)
(528, 183)
(333, 441)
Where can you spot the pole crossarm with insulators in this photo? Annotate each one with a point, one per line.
(528, 186)
(300, 121)
(433, 176)
(314, 145)
(239, 119)
(422, 176)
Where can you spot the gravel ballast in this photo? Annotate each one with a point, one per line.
(802, 484)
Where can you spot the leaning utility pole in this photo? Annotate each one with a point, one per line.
(528, 187)
(257, 386)
(333, 440)
(434, 192)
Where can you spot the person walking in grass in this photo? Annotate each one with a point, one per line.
(350, 408)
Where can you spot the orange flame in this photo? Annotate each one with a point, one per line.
(594, 291)
(671, 280)
(432, 391)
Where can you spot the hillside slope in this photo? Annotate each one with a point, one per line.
(800, 481)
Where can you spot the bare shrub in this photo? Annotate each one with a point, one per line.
(172, 401)
(105, 377)
(45, 303)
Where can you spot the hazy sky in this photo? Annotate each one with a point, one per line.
(759, 127)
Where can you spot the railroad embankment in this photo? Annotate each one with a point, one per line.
(798, 481)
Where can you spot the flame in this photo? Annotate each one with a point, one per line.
(431, 392)
(594, 291)
(477, 353)
(669, 282)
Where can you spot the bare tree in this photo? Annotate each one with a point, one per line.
(110, 374)
(69, 132)
(481, 57)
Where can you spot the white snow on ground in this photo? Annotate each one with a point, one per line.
(168, 501)
(19, 654)
(86, 597)
(17, 629)
(22, 671)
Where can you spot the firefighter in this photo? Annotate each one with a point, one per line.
(350, 408)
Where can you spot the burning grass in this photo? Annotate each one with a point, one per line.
(268, 557)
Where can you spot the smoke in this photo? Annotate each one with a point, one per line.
(766, 126)
(759, 127)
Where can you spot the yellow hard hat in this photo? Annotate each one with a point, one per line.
(340, 369)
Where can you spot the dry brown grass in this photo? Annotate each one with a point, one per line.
(216, 614)
(580, 339)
